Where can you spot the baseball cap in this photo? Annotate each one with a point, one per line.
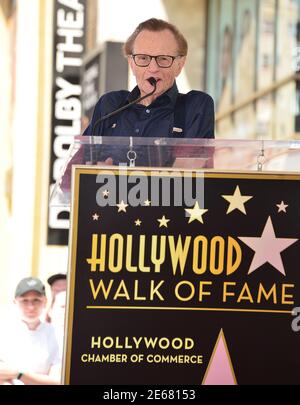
(30, 284)
(57, 276)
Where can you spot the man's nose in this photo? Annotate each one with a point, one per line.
(153, 65)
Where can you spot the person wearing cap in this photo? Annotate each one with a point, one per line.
(57, 283)
(29, 352)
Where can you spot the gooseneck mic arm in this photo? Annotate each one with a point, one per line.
(151, 80)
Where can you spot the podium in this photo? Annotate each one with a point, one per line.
(183, 261)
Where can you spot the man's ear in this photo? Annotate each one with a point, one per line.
(44, 298)
(180, 65)
(131, 64)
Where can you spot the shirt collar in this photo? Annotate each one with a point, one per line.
(169, 96)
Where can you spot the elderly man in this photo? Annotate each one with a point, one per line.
(156, 53)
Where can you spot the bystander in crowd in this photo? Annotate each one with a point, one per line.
(29, 351)
(56, 316)
(57, 283)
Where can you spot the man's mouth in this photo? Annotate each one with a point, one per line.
(156, 78)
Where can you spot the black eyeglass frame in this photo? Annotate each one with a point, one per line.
(155, 57)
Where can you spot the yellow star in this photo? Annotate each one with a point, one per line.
(196, 213)
(163, 222)
(138, 222)
(96, 217)
(147, 203)
(105, 193)
(282, 207)
(122, 206)
(237, 200)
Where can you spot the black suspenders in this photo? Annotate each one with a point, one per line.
(179, 116)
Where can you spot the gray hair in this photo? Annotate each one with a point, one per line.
(154, 24)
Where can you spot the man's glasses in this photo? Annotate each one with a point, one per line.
(163, 61)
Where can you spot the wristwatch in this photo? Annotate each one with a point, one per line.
(19, 376)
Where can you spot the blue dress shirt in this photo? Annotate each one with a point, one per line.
(158, 119)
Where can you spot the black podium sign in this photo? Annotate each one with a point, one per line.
(183, 278)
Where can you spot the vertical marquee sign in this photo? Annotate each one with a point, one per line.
(169, 290)
(68, 52)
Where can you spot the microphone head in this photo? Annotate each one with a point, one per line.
(152, 81)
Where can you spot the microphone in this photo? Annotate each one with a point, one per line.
(151, 80)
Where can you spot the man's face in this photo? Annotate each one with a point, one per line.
(57, 310)
(156, 43)
(31, 305)
(58, 285)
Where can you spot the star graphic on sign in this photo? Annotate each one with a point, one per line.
(267, 248)
(105, 193)
(147, 203)
(196, 213)
(163, 221)
(237, 200)
(282, 207)
(95, 217)
(122, 206)
(138, 222)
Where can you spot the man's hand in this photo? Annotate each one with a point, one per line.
(7, 374)
(107, 162)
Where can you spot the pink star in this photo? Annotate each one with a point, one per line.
(267, 248)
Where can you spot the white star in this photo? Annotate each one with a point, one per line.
(96, 217)
(282, 207)
(147, 203)
(122, 206)
(196, 213)
(105, 193)
(237, 201)
(163, 222)
(138, 222)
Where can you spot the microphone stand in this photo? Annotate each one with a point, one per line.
(151, 80)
